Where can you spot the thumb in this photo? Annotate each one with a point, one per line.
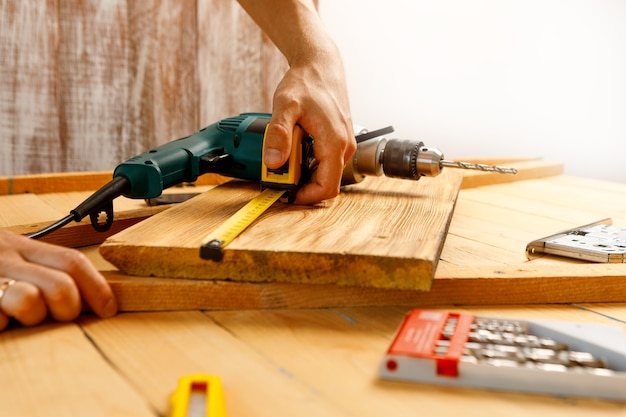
(277, 144)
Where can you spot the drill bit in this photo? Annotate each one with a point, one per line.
(479, 167)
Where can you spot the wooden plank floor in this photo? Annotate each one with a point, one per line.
(309, 361)
(319, 362)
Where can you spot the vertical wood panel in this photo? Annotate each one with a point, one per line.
(29, 131)
(274, 67)
(85, 84)
(230, 61)
(92, 82)
(163, 99)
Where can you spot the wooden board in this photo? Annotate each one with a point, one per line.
(482, 261)
(382, 233)
(482, 286)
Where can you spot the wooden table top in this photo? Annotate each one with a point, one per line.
(295, 361)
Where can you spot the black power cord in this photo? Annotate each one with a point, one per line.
(99, 202)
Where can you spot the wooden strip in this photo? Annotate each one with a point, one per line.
(154, 350)
(525, 170)
(54, 370)
(46, 209)
(76, 181)
(562, 194)
(5, 186)
(499, 285)
(58, 182)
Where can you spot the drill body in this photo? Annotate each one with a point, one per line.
(231, 147)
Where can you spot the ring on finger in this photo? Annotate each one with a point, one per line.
(4, 286)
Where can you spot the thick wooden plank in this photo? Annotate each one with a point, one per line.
(382, 233)
(476, 286)
(482, 261)
(54, 370)
(153, 350)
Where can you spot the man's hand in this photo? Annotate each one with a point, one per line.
(313, 94)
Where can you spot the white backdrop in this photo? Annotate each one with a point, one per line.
(492, 78)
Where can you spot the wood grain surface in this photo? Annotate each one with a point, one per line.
(87, 84)
(314, 362)
(381, 233)
(482, 261)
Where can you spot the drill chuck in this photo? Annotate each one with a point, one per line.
(409, 159)
(402, 158)
(396, 158)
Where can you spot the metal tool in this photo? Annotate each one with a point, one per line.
(233, 147)
(595, 242)
(402, 158)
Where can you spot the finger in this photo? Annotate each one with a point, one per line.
(324, 183)
(73, 265)
(57, 288)
(278, 137)
(25, 303)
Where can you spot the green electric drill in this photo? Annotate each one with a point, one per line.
(233, 147)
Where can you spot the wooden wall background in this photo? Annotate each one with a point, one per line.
(86, 84)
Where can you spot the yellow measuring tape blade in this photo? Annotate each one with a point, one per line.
(213, 245)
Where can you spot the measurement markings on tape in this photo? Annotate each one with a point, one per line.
(212, 247)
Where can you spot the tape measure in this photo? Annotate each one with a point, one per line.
(198, 395)
(276, 183)
(212, 247)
